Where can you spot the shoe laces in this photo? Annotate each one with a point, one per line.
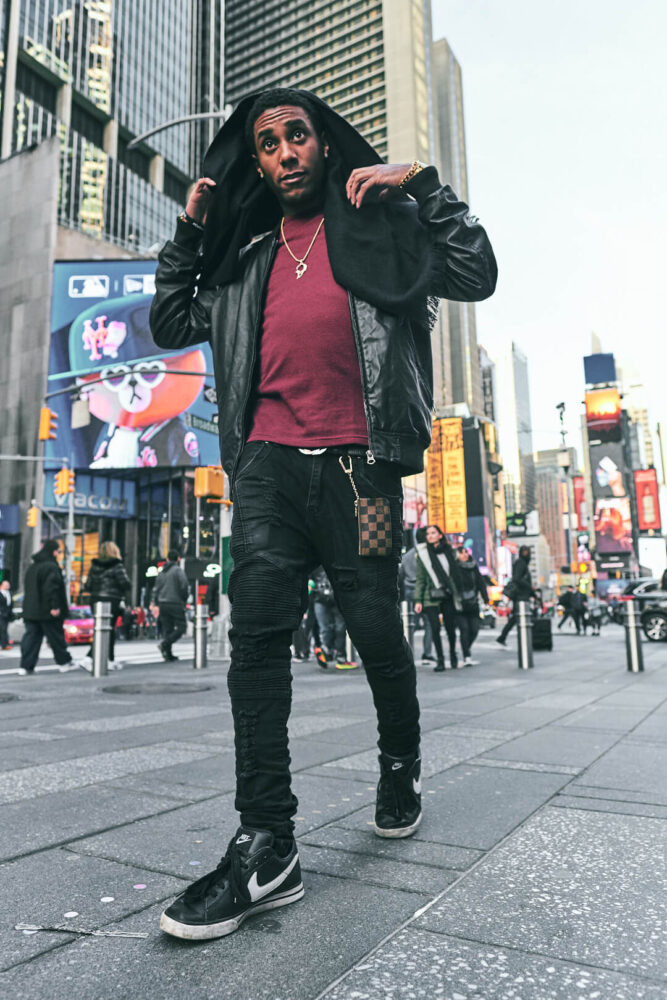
(231, 867)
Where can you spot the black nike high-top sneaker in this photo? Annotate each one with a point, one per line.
(398, 809)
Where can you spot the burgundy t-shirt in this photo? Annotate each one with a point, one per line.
(308, 392)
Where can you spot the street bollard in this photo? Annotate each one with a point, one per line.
(101, 635)
(201, 636)
(524, 623)
(633, 638)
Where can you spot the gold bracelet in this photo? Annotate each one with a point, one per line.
(415, 169)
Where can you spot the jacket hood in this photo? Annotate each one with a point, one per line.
(382, 254)
(105, 562)
(43, 556)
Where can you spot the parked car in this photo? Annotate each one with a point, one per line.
(635, 590)
(654, 616)
(79, 625)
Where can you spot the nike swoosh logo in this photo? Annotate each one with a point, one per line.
(257, 891)
(417, 785)
(243, 839)
(396, 767)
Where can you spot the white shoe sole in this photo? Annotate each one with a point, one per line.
(404, 831)
(205, 932)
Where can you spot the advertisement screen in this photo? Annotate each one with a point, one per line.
(579, 488)
(603, 415)
(613, 525)
(607, 470)
(648, 502)
(153, 406)
(453, 466)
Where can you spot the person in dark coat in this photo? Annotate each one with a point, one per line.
(45, 608)
(108, 581)
(436, 592)
(566, 602)
(6, 614)
(169, 598)
(471, 585)
(521, 589)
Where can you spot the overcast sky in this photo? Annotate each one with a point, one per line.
(566, 122)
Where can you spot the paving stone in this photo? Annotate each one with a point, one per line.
(54, 819)
(574, 885)
(629, 765)
(607, 805)
(418, 851)
(418, 965)
(286, 954)
(41, 889)
(475, 807)
(605, 717)
(552, 745)
(377, 871)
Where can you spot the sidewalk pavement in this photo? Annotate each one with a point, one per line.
(538, 871)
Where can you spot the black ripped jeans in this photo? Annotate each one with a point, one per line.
(291, 513)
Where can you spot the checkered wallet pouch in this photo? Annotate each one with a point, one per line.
(373, 517)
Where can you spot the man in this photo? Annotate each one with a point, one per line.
(45, 608)
(331, 624)
(407, 582)
(566, 602)
(471, 585)
(313, 288)
(6, 615)
(170, 595)
(521, 589)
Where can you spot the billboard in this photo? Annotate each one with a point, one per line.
(613, 526)
(603, 414)
(454, 478)
(599, 368)
(648, 501)
(152, 407)
(435, 489)
(579, 488)
(515, 525)
(607, 470)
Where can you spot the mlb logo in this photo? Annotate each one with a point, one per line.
(139, 284)
(89, 286)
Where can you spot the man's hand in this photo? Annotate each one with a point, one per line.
(383, 176)
(155, 611)
(55, 612)
(418, 609)
(197, 205)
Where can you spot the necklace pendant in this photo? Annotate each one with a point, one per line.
(301, 269)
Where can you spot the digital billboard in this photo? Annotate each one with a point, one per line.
(453, 474)
(603, 414)
(607, 470)
(648, 502)
(599, 368)
(613, 526)
(148, 406)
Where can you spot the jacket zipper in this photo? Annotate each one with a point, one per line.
(370, 457)
(260, 317)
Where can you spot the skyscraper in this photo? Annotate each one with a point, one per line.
(516, 431)
(98, 73)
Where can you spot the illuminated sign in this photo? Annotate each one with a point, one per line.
(146, 404)
(613, 526)
(435, 490)
(579, 488)
(454, 479)
(607, 470)
(648, 504)
(603, 409)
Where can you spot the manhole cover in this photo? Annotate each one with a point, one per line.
(8, 697)
(158, 688)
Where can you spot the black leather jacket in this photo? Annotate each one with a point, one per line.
(394, 352)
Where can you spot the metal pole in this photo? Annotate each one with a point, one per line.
(103, 626)
(633, 639)
(201, 636)
(524, 623)
(69, 554)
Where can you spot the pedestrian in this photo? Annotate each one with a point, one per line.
(663, 581)
(579, 611)
(436, 593)
(108, 581)
(520, 588)
(407, 581)
(170, 596)
(308, 631)
(313, 289)
(6, 614)
(566, 603)
(331, 624)
(45, 608)
(471, 585)
(595, 613)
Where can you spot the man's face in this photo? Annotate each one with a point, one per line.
(463, 555)
(4, 585)
(291, 156)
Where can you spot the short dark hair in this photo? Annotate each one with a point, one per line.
(276, 98)
(173, 555)
(51, 545)
(525, 551)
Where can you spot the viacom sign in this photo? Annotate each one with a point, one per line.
(98, 496)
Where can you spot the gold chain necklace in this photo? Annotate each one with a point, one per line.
(301, 266)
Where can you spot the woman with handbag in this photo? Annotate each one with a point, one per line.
(436, 593)
(107, 581)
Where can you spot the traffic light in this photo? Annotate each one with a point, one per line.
(209, 481)
(64, 482)
(31, 519)
(48, 424)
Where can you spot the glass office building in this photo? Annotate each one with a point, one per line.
(98, 73)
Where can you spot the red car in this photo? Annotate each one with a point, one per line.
(79, 625)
